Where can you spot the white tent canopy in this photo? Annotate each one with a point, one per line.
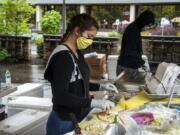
(176, 19)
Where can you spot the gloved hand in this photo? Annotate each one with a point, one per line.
(145, 67)
(102, 104)
(108, 87)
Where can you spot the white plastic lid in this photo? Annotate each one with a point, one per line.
(113, 57)
(26, 88)
(132, 87)
(31, 103)
(21, 122)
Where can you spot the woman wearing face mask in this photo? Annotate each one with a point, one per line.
(68, 74)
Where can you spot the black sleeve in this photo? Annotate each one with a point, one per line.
(133, 45)
(132, 42)
(62, 70)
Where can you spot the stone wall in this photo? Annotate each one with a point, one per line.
(159, 49)
(100, 45)
(18, 46)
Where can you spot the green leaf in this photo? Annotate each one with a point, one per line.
(51, 22)
(15, 16)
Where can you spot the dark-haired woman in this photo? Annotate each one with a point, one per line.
(68, 74)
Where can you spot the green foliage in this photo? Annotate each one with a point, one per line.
(15, 16)
(114, 34)
(40, 50)
(110, 13)
(168, 11)
(178, 33)
(39, 40)
(71, 11)
(101, 13)
(51, 22)
(145, 33)
(4, 54)
(12, 60)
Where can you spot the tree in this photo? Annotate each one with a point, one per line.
(110, 13)
(72, 11)
(113, 12)
(101, 13)
(168, 11)
(15, 16)
(51, 22)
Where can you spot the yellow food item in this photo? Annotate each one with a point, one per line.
(105, 117)
(99, 121)
(135, 101)
(118, 107)
(157, 122)
(94, 126)
(140, 100)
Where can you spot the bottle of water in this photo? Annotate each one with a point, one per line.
(8, 78)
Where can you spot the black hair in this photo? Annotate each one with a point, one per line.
(83, 21)
(145, 18)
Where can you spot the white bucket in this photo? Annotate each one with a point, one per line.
(111, 66)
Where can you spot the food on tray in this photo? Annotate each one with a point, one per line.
(143, 118)
(105, 117)
(157, 122)
(98, 123)
(94, 126)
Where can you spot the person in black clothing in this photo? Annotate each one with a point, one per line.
(130, 59)
(68, 74)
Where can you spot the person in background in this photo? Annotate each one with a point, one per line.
(130, 59)
(68, 74)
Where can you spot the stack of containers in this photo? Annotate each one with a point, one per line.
(97, 66)
(27, 89)
(111, 66)
(21, 103)
(27, 122)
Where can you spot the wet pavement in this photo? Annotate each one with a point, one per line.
(24, 72)
(27, 72)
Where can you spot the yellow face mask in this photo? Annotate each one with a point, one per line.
(83, 43)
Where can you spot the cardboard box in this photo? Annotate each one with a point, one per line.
(97, 66)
